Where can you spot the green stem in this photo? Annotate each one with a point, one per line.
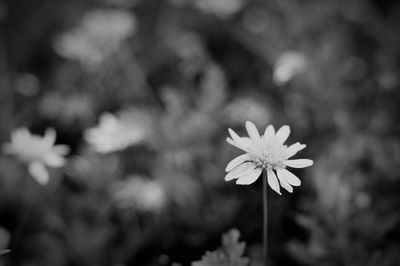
(265, 221)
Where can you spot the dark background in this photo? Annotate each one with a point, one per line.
(191, 69)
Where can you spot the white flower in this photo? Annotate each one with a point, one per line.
(36, 152)
(117, 133)
(289, 64)
(266, 152)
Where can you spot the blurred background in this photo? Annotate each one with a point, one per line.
(143, 91)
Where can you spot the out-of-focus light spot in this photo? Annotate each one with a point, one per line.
(139, 193)
(99, 35)
(289, 64)
(27, 84)
(221, 8)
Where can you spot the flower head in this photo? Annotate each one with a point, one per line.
(37, 151)
(265, 153)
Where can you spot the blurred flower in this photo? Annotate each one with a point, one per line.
(36, 152)
(266, 152)
(289, 64)
(117, 133)
(222, 8)
(139, 193)
(99, 35)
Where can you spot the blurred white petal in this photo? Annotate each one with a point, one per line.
(39, 172)
(299, 163)
(294, 148)
(50, 136)
(239, 171)
(237, 145)
(235, 162)
(269, 132)
(282, 134)
(54, 160)
(252, 131)
(286, 186)
(273, 181)
(250, 177)
(288, 177)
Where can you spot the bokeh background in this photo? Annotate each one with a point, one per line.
(169, 78)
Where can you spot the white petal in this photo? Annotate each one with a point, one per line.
(249, 178)
(239, 171)
(269, 132)
(294, 148)
(252, 131)
(273, 181)
(246, 141)
(282, 134)
(299, 163)
(54, 160)
(50, 136)
(237, 145)
(20, 134)
(243, 141)
(39, 172)
(235, 162)
(286, 186)
(233, 134)
(61, 149)
(288, 177)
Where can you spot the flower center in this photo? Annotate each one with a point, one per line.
(268, 155)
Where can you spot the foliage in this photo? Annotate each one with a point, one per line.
(230, 254)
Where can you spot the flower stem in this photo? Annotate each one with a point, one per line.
(265, 220)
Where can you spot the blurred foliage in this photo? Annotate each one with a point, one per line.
(160, 82)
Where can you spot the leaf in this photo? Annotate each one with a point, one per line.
(230, 254)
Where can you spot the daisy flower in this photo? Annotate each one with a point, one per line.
(265, 153)
(37, 152)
